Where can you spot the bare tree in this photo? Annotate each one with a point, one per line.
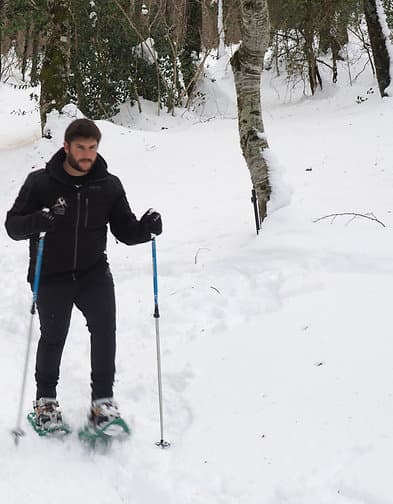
(378, 44)
(247, 64)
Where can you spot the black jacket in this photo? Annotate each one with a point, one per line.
(83, 206)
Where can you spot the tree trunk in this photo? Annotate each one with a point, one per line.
(54, 74)
(209, 24)
(311, 61)
(34, 78)
(220, 28)
(309, 34)
(3, 12)
(335, 46)
(247, 64)
(378, 45)
(25, 50)
(189, 56)
(137, 14)
(329, 35)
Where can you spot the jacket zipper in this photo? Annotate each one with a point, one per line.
(86, 212)
(78, 211)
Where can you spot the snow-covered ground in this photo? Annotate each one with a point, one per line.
(277, 349)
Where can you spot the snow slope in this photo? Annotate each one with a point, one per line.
(278, 376)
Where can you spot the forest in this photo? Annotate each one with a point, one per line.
(98, 55)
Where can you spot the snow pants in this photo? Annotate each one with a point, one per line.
(93, 295)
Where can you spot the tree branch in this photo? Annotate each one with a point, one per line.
(333, 216)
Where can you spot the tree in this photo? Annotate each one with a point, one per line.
(55, 72)
(3, 10)
(388, 8)
(102, 58)
(378, 43)
(220, 27)
(303, 29)
(189, 56)
(247, 63)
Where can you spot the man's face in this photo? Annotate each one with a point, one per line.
(81, 153)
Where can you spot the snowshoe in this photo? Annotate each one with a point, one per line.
(46, 418)
(104, 422)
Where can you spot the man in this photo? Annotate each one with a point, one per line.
(82, 198)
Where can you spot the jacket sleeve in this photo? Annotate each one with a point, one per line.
(124, 225)
(20, 219)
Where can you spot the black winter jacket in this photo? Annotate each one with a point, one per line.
(83, 206)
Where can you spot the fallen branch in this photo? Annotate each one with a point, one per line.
(333, 216)
(197, 253)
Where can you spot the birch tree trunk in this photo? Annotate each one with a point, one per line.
(378, 45)
(220, 28)
(247, 65)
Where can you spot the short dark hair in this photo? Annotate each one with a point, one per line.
(82, 128)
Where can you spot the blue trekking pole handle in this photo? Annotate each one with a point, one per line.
(38, 266)
(155, 278)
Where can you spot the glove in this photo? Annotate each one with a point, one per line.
(151, 221)
(42, 222)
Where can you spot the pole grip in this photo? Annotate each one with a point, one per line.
(38, 266)
(155, 278)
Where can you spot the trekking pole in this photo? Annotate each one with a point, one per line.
(254, 200)
(18, 432)
(161, 443)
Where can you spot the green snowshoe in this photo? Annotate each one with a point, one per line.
(46, 418)
(104, 423)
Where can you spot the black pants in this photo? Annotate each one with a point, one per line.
(93, 295)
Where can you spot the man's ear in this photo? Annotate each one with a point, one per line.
(66, 147)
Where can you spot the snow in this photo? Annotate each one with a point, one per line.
(276, 349)
(147, 51)
(20, 121)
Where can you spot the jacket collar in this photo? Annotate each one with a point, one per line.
(56, 170)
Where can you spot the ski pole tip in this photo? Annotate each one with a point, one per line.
(17, 434)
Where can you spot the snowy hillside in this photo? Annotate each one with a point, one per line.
(277, 349)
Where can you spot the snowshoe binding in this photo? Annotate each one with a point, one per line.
(46, 418)
(104, 422)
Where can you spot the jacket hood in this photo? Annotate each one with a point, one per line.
(55, 168)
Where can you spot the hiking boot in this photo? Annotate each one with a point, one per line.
(47, 413)
(103, 412)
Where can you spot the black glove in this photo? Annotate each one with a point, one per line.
(151, 221)
(42, 222)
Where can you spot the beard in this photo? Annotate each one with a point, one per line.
(75, 164)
